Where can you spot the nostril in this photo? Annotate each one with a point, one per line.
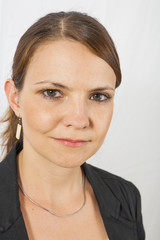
(76, 115)
(76, 122)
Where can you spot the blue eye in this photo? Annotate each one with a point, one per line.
(99, 97)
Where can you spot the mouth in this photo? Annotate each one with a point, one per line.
(70, 142)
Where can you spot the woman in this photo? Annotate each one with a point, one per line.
(65, 71)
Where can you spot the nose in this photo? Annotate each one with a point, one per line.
(76, 114)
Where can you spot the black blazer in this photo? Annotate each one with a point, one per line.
(119, 202)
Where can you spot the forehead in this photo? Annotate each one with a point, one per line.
(68, 61)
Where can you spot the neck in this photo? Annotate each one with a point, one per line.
(50, 184)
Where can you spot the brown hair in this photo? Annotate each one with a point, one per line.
(61, 25)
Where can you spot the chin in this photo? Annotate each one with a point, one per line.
(70, 165)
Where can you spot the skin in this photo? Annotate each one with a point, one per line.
(45, 165)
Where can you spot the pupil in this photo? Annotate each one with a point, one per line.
(96, 96)
(51, 92)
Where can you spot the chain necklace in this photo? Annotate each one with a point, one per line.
(53, 213)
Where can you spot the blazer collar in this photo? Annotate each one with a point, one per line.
(10, 206)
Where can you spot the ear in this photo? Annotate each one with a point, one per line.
(12, 96)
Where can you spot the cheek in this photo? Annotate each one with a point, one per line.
(103, 122)
(101, 126)
(38, 117)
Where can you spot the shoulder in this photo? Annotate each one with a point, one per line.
(4, 172)
(120, 189)
(113, 180)
(118, 198)
(8, 171)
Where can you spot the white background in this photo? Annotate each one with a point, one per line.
(131, 148)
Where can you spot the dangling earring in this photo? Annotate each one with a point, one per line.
(19, 128)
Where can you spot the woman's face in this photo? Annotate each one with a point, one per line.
(68, 94)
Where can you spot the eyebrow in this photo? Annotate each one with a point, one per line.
(67, 88)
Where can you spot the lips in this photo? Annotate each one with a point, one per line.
(71, 142)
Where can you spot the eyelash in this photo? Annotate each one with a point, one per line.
(42, 92)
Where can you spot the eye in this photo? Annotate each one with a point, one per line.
(51, 93)
(100, 97)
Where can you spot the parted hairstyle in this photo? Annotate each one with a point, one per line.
(71, 25)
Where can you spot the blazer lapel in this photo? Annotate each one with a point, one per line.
(16, 232)
(11, 220)
(117, 228)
